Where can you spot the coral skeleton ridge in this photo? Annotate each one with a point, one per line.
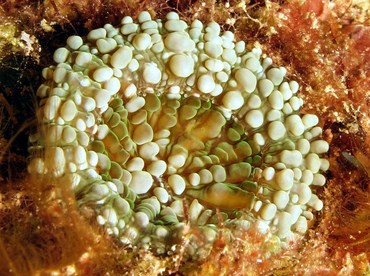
(157, 125)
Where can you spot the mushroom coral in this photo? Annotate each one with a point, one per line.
(158, 125)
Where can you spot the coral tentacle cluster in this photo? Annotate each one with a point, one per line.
(160, 124)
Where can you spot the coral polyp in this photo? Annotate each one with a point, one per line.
(157, 125)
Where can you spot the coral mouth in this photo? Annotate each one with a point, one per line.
(157, 125)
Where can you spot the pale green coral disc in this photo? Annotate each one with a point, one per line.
(157, 125)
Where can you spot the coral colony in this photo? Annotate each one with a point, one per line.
(159, 125)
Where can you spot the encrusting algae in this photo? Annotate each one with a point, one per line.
(158, 125)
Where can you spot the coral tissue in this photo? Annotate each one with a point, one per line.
(159, 124)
